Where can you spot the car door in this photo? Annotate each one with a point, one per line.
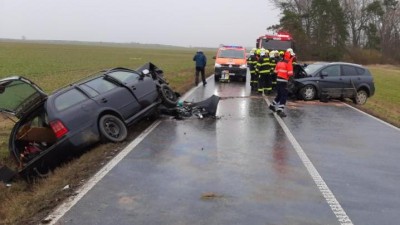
(75, 110)
(143, 87)
(111, 95)
(350, 79)
(18, 96)
(330, 81)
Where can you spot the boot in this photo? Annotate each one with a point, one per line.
(272, 108)
(281, 113)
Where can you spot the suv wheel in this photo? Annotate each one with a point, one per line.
(112, 128)
(308, 92)
(361, 97)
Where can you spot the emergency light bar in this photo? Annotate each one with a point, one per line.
(232, 46)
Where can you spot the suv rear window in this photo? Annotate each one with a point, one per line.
(68, 99)
(360, 71)
(349, 70)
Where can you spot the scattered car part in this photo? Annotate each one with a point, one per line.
(206, 108)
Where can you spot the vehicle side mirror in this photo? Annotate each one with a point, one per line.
(214, 57)
(323, 74)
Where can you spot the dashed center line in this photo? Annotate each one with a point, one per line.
(319, 181)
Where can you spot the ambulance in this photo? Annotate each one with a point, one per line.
(230, 60)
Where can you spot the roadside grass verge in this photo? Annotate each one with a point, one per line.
(385, 104)
(53, 65)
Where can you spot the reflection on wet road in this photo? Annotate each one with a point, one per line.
(243, 169)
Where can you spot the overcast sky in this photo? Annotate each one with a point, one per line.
(197, 23)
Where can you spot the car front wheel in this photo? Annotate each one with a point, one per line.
(361, 97)
(168, 96)
(308, 92)
(112, 128)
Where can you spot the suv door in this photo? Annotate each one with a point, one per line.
(109, 94)
(351, 79)
(143, 87)
(330, 81)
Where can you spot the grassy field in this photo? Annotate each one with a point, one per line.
(54, 65)
(385, 104)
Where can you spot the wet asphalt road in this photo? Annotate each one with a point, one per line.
(244, 169)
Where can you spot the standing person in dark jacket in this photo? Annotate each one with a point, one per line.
(201, 62)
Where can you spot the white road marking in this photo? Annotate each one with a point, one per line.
(386, 123)
(70, 202)
(322, 186)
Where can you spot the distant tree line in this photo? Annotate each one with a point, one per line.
(363, 31)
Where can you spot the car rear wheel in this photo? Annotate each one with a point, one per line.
(112, 128)
(168, 96)
(308, 92)
(361, 97)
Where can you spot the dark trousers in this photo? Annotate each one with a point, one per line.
(262, 80)
(253, 80)
(268, 84)
(273, 75)
(282, 94)
(201, 71)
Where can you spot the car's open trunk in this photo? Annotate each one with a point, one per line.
(30, 137)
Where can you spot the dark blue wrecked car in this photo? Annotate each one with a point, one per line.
(99, 107)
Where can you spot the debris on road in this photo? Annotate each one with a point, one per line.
(210, 195)
(206, 108)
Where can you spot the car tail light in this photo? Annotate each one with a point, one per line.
(58, 128)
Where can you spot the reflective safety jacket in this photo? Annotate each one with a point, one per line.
(283, 70)
(252, 63)
(263, 66)
(273, 61)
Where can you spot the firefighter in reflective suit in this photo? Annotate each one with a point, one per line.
(263, 70)
(252, 63)
(283, 70)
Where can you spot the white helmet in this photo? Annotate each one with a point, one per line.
(291, 51)
(271, 54)
(262, 52)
